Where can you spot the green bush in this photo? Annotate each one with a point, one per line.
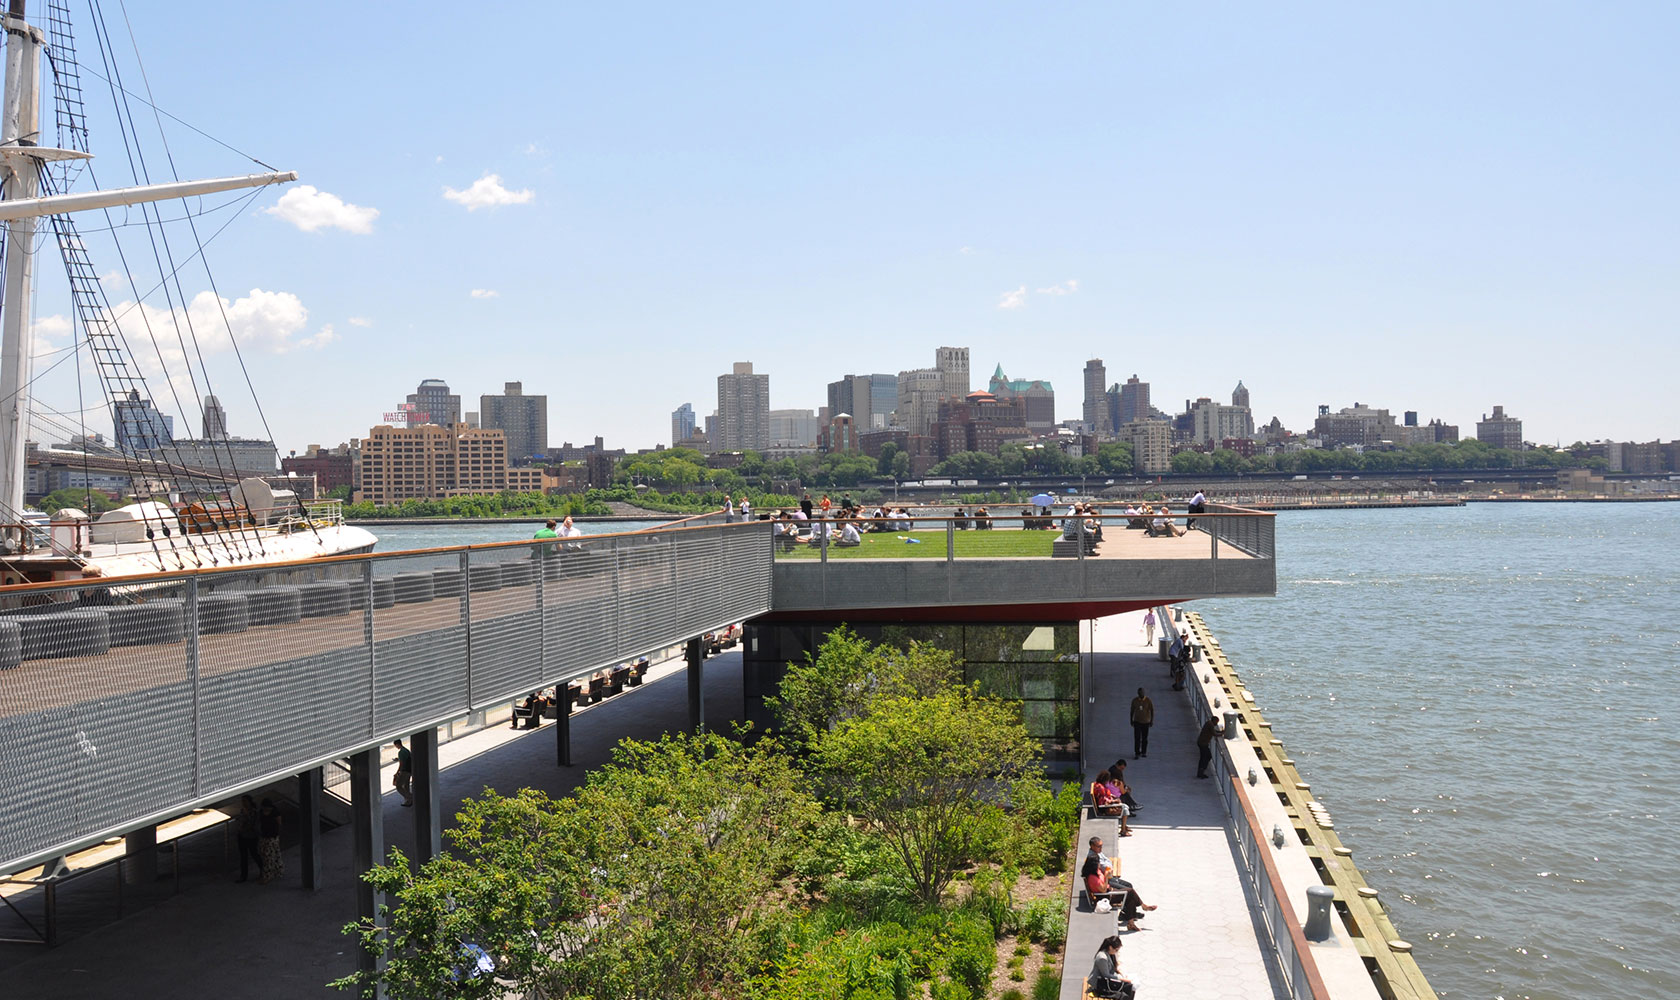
(1048, 985)
(1013, 994)
(1044, 920)
(973, 951)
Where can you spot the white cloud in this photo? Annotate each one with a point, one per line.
(486, 293)
(360, 321)
(1067, 287)
(310, 209)
(488, 192)
(439, 158)
(1013, 300)
(48, 329)
(965, 251)
(112, 278)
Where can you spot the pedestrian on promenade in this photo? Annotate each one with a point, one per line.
(1143, 716)
(245, 827)
(1204, 746)
(825, 503)
(805, 506)
(728, 509)
(403, 780)
(268, 842)
(1198, 504)
(746, 507)
(1149, 627)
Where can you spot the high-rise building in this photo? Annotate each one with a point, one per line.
(1095, 412)
(793, 429)
(1499, 430)
(1214, 422)
(215, 419)
(919, 393)
(331, 467)
(854, 395)
(682, 424)
(838, 434)
(883, 398)
(1358, 424)
(743, 413)
(428, 461)
(522, 419)
(433, 403)
(952, 363)
(1039, 397)
(1134, 401)
(1151, 442)
(140, 425)
(1239, 395)
(980, 422)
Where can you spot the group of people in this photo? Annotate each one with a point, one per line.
(1101, 875)
(553, 530)
(257, 828)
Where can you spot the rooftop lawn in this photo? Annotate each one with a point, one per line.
(992, 544)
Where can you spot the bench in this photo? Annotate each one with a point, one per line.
(617, 679)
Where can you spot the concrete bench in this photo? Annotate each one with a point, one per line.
(413, 588)
(448, 583)
(11, 644)
(279, 605)
(160, 621)
(64, 633)
(518, 574)
(483, 577)
(325, 598)
(221, 614)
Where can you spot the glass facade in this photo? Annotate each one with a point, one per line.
(1035, 665)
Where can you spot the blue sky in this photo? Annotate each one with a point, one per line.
(1440, 207)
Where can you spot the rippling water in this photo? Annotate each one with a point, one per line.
(1486, 699)
(394, 537)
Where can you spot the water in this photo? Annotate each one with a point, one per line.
(395, 537)
(1485, 697)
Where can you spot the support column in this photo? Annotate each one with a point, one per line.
(141, 847)
(428, 815)
(309, 820)
(563, 724)
(696, 698)
(367, 825)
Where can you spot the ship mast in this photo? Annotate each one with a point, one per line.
(21, 161)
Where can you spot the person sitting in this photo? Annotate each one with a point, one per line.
(849, 537)
(1162, 524)
(1105, 979)
(787, 533)
(961, 518)
(1110, 869)
(1107, 803)
(905, 523)
(1099, 886)
(883, 520)
(1135, 518)
(982, 520)
(1117, 778)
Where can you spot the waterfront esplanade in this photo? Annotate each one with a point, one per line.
(125, 703)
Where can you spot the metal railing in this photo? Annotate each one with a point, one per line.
(1250, 531)
(125, 702)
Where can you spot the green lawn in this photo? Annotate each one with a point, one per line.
(992, 544)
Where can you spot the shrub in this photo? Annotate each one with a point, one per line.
(973, 952)
(1048, 985)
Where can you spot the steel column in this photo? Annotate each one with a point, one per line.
(696, 697)
(367, 822)
(428, 816)
(309, 819)
(563, 724)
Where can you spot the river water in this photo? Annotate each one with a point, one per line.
(1486, 698)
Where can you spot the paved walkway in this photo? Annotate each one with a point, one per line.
(1204, 941)
(265, 942)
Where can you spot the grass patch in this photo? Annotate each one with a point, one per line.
(994, 544)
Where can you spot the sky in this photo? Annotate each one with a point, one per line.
(1436, 207)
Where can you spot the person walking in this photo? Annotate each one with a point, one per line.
(403, 780)
(1204, 746)
(268, 842)
(1143, 716)
(728, 509)
(245, 828)
(1149, 627)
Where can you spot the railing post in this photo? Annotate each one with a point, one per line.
(950, 540)
(372, 649)
(466, 619)
(618, 596)
(192, 677)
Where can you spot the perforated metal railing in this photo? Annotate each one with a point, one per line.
(123, 703)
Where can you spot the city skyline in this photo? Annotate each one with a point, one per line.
(1340, 205)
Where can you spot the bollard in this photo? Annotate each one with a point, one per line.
(1233, 725)
(1318, 912)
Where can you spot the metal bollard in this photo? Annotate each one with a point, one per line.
(1233, 725)
(1318, 912)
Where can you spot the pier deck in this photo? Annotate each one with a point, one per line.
(1205, 940)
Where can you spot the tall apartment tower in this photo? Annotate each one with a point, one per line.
(433, 403)
(854, 395)
(215, 420)
(1499, 430)
(682, 423)
(1239, 395)
(522, 419)
(952, 363)
(743, 413)
(1095, 412)
(1134, 401)
(883, 399)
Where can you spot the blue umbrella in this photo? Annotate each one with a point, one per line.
(1043, 500)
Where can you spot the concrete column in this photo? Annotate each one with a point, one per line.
(428, 816)
(367, 833)
(563, 724)
(309, 822)
(696, 698)
(141, 847)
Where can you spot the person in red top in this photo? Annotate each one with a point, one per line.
(1108, 803)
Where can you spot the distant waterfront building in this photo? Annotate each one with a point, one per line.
(1239, 395)
(331, 467)
(433, 403)
(522, 419)
(215, 419)
(1357, 426)
(743, 413)
(1095, 411)
(682, 424)
(240, 456)
(840, 433)
(952, 363)
(853, 394)
(980, 422)
(1645, 457)
(1499, 430)
(883, 397)
(1215, 422)
(1151, 442)
(919, 393)
(793, 429)
(140, 425)
(470, 418)
(1134, 402)
(430, 462)
(1039, 397)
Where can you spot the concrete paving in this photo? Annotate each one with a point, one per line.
(267, 941)
(1206, 940)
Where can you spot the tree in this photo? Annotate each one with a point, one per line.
(884, 464)
(1115, 458)
(644, 883)
(846, 677)
(1192, 461)
(91, 502)
(922, 771)
(901, 466)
